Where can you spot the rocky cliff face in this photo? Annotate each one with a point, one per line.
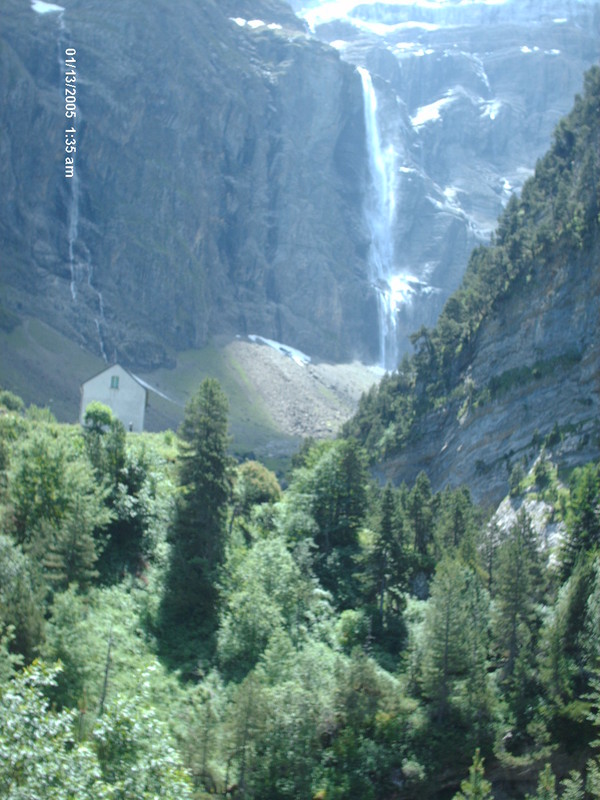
(218, 179)
(222, 166)
(470, 93)
(540, 350)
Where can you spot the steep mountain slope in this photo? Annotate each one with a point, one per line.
(515, 357)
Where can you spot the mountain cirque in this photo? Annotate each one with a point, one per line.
(221, 163)
(469, 94)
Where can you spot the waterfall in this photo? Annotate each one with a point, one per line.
(380, 212)
(80, 265)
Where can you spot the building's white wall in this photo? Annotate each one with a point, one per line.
(128, 402)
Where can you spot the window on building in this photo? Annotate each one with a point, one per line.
(114, 382)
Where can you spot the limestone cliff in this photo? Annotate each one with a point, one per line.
(222, 170)
(218, 179)
(542, 348)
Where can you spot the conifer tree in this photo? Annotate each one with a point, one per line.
(518, 587)
(71, 552)
(421, 514)
(519, 592)
(546, 788)
(572, 787)
(198, 536)
(338, 506)
(475, 787)
(583, 515)
(454, 646)
(445, 624)
(385, 564)
(569, 635)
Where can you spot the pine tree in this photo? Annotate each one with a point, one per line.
(491, 542)
(387, 560)
(421, 514)
(583, 515)
(338, 506)
(71, 552)
(477, 693)
(569, 635)
(517, 590)
(189, 612)
(447, 650)
(546, 788)
(475, 787)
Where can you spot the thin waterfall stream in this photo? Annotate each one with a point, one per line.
(80, 263)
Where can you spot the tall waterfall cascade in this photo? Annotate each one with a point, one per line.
(394, 289)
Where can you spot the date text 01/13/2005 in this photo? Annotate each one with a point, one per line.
(70, 110)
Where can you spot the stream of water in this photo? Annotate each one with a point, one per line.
(380, 212)
(80, 264)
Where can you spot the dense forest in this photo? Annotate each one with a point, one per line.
(177, 625)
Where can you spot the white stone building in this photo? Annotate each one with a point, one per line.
(121, 392)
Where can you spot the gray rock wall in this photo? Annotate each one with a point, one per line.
(543, 345)
(220, 170)
(470, 94)
(222, 167)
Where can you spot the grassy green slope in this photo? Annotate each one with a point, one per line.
(251, 426)
(45, 368)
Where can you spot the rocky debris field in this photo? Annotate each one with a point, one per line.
(312, 399)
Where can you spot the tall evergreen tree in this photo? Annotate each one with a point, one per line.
(518, 585)
(519, 593)
(421, 514)
(568, 637)
(189, 612)
(454, 647)
(338, 505)
(384, 568)
(583, 515)
(393, 556)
